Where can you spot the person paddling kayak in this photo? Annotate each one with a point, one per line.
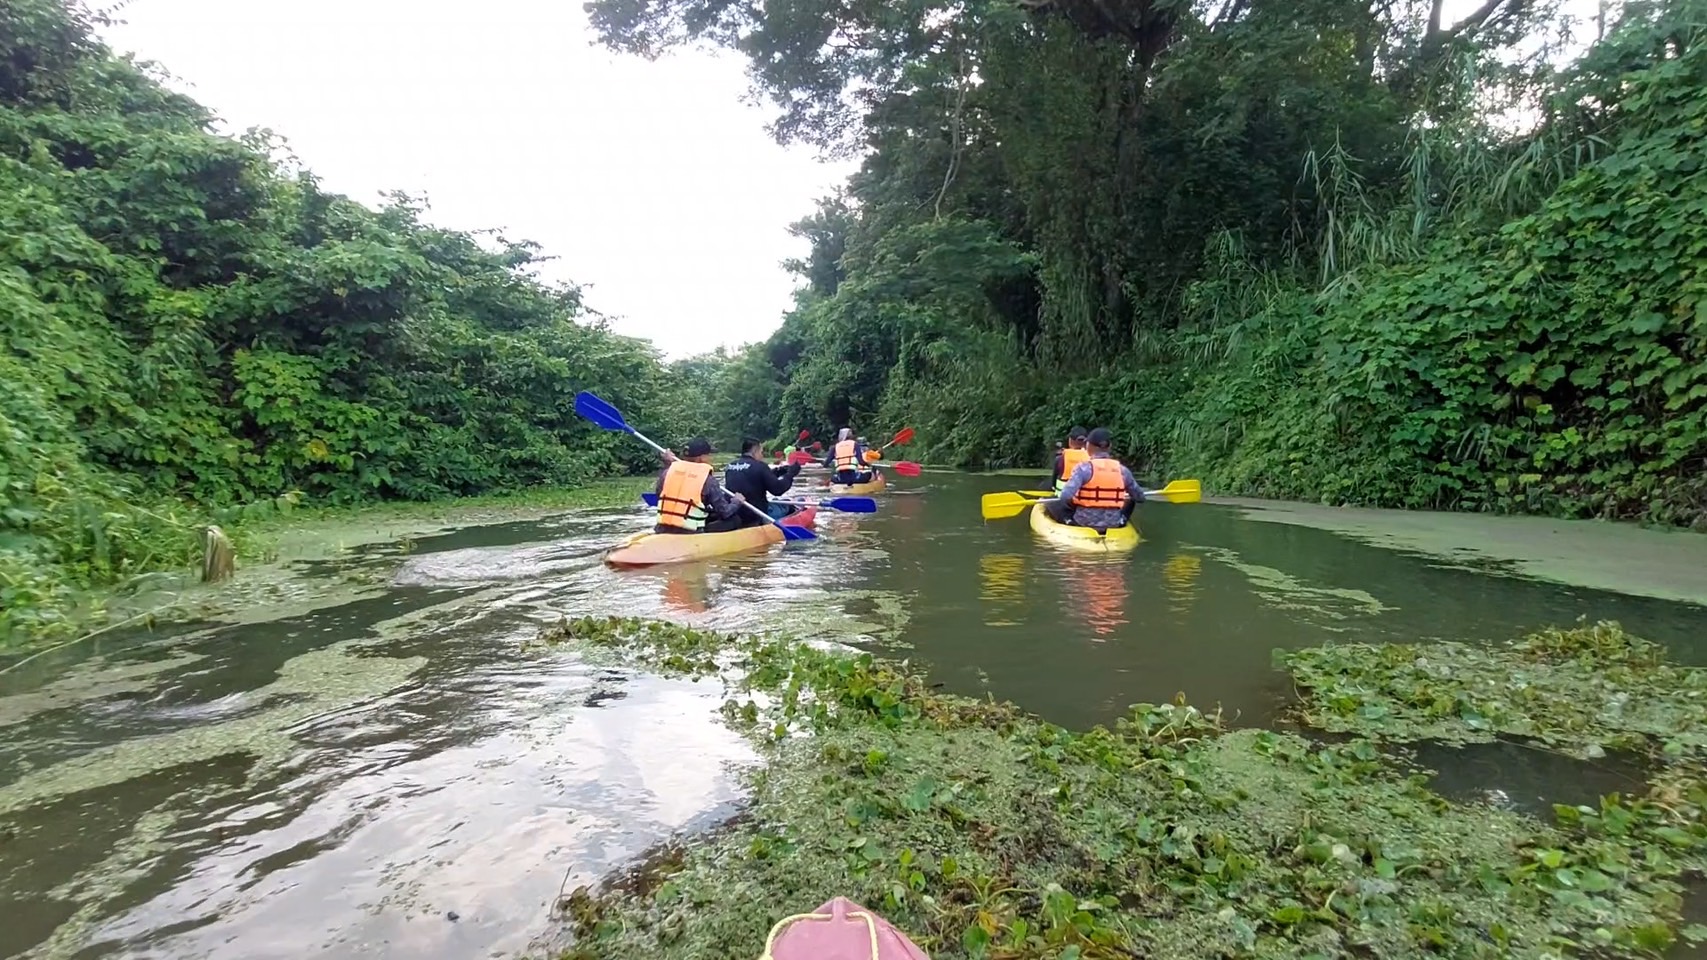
(757, 481)
(1101, 493)
(690, 500)
(1067, 459)
(847, 459)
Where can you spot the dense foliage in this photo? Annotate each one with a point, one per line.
(189, 325)
(1335, 249)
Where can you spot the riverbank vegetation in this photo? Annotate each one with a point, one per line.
(193, 331)
(1332, 250)
(984, 832)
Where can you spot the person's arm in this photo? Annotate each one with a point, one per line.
(658, 488)
(1054, 472)
(778, 481)
(1081, 473)
(717, 501)
(1133, 490)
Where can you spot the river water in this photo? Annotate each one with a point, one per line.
(408, 774)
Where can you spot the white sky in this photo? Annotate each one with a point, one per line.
(655, 186)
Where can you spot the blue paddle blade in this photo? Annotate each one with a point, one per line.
(851, 504)
(650, 499)
(600, 412)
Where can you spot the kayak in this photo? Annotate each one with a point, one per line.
(839, 930)
(649, 549)
(874, 485)
(1083, 538)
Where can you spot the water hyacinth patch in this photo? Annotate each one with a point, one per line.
(983, 832)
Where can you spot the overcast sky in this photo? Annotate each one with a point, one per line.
(652, 182)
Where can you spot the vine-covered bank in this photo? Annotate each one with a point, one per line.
(1334, 250)
(193, 331)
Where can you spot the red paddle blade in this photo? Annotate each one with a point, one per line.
(904, 437)
(907, 468)
(804, 434)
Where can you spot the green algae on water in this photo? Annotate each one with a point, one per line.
(1286, 592)
(983, 832)
(1583, 690)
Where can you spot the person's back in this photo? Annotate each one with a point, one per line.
(1067, 459)
(690, 500)
(681, 503)
(757, 481)
(1101, 492)
(846, 459)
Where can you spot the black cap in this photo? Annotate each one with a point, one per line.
(698, 447)
(1100, 437)
(1077, 433)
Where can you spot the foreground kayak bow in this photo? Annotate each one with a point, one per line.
(838, 930)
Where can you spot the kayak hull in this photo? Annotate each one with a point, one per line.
(1116, 540)
(839, 930)
(874, 485)
(652, 549)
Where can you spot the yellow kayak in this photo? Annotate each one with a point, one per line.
(648, 549)
(874, 485)
(1083, 538)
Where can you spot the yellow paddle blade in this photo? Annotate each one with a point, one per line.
(1179, 491)
(1000, 506)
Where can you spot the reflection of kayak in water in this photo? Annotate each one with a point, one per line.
(838, 930)
(646, 549)
(1083, 538)
(874, 485)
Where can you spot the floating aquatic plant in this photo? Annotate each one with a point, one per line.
(984, 832)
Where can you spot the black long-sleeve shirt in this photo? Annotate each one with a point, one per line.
(758, 481)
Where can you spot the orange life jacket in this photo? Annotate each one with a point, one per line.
(1106, 488)
(680, 503)
(1071, 457)
(846, 459)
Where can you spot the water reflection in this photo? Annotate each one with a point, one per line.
(1179, 578)
(1095, 591)
(1002, 579)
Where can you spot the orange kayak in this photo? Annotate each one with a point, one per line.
(839, 930)
(651, 549)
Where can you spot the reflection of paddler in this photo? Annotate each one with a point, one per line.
(1179, 579)
(1096, 588)
(683, 593)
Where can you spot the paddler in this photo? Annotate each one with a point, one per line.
(1100, 493)
(1067, 459)
(750, 477)
(690, 500)
(846, 459)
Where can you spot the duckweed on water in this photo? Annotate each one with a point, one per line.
(984, 832)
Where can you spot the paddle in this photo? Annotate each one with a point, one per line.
(998, 506)
(844, 504)
(608, 417)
